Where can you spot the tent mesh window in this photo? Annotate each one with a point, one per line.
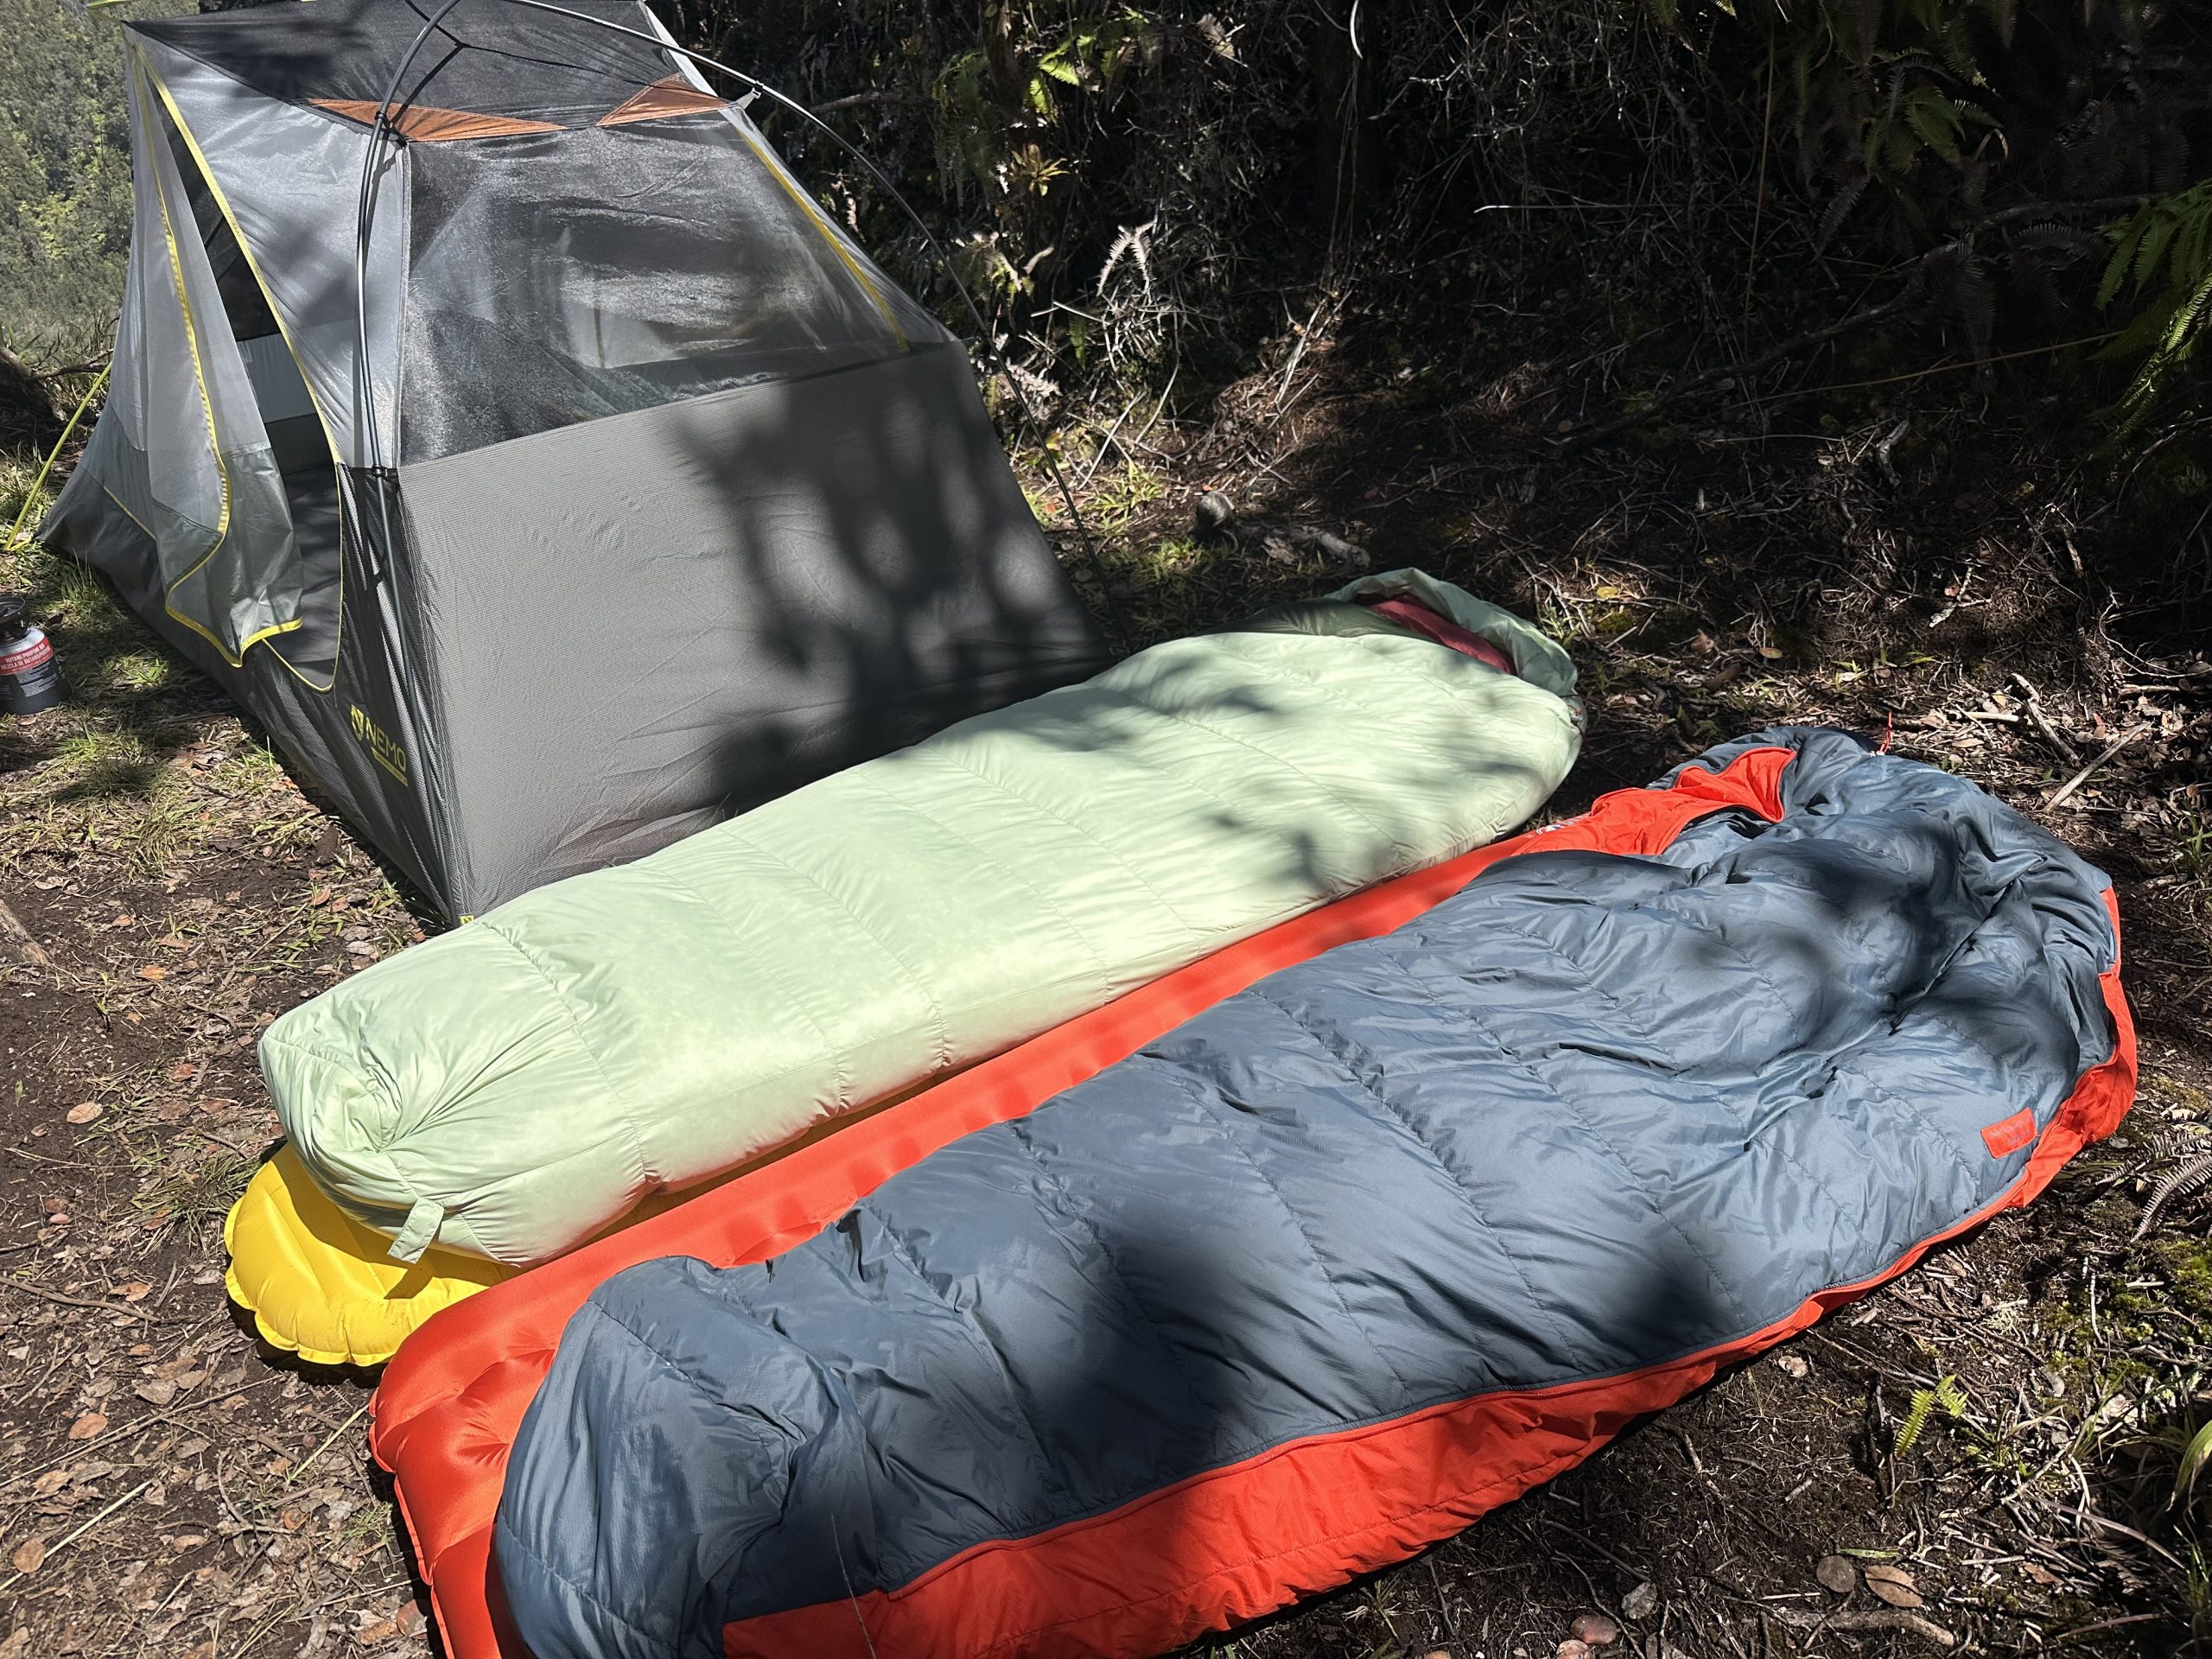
(559, 277)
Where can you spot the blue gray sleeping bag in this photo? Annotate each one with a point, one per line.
(1595, 1121)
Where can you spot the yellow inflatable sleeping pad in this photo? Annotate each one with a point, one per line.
(320, 1284)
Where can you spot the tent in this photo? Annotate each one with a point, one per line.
(498, 421)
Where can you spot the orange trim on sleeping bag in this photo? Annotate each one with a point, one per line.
(1175, 1564)
(452, 1400)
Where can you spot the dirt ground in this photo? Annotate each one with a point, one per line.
(1981, 1458)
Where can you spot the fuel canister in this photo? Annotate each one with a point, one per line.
(29, 681)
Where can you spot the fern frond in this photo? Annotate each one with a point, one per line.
(1916, 1419)
(1946, 1396)
(2179, 1184)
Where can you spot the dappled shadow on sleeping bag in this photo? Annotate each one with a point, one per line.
(1345, 1260)
(509, 1091)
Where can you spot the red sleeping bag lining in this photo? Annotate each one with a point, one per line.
(1232, 1544)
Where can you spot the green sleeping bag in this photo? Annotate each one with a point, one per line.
(512, 1087)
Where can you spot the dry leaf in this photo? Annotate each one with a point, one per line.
(1641, 1603)
(84, 1112)
(183, 1071)
(152, 972)
(294, 1519)
(158, 1392)
(88, 1425)
(29, 1555)
(1894, 1585)
(1836, 1573)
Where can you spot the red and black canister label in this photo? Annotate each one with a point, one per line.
(29, 679)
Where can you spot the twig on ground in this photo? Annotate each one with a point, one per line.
(2034, 705)
(1885, 1618)
(306, 1462)
(73, 1537)
(84, 1301)
(2081, 1631)
(2082, 776)
(138, 1425)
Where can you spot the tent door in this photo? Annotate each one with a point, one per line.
(296, 437)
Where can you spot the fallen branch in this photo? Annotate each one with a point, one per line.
(1884, 1618)
(2111, 749)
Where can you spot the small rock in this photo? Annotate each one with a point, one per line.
(1836, 1572)
(29, 1556)
(1641, 1603)
(1595, 1630)
(1571, 1648)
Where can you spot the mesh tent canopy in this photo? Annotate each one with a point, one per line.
(589, 485)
